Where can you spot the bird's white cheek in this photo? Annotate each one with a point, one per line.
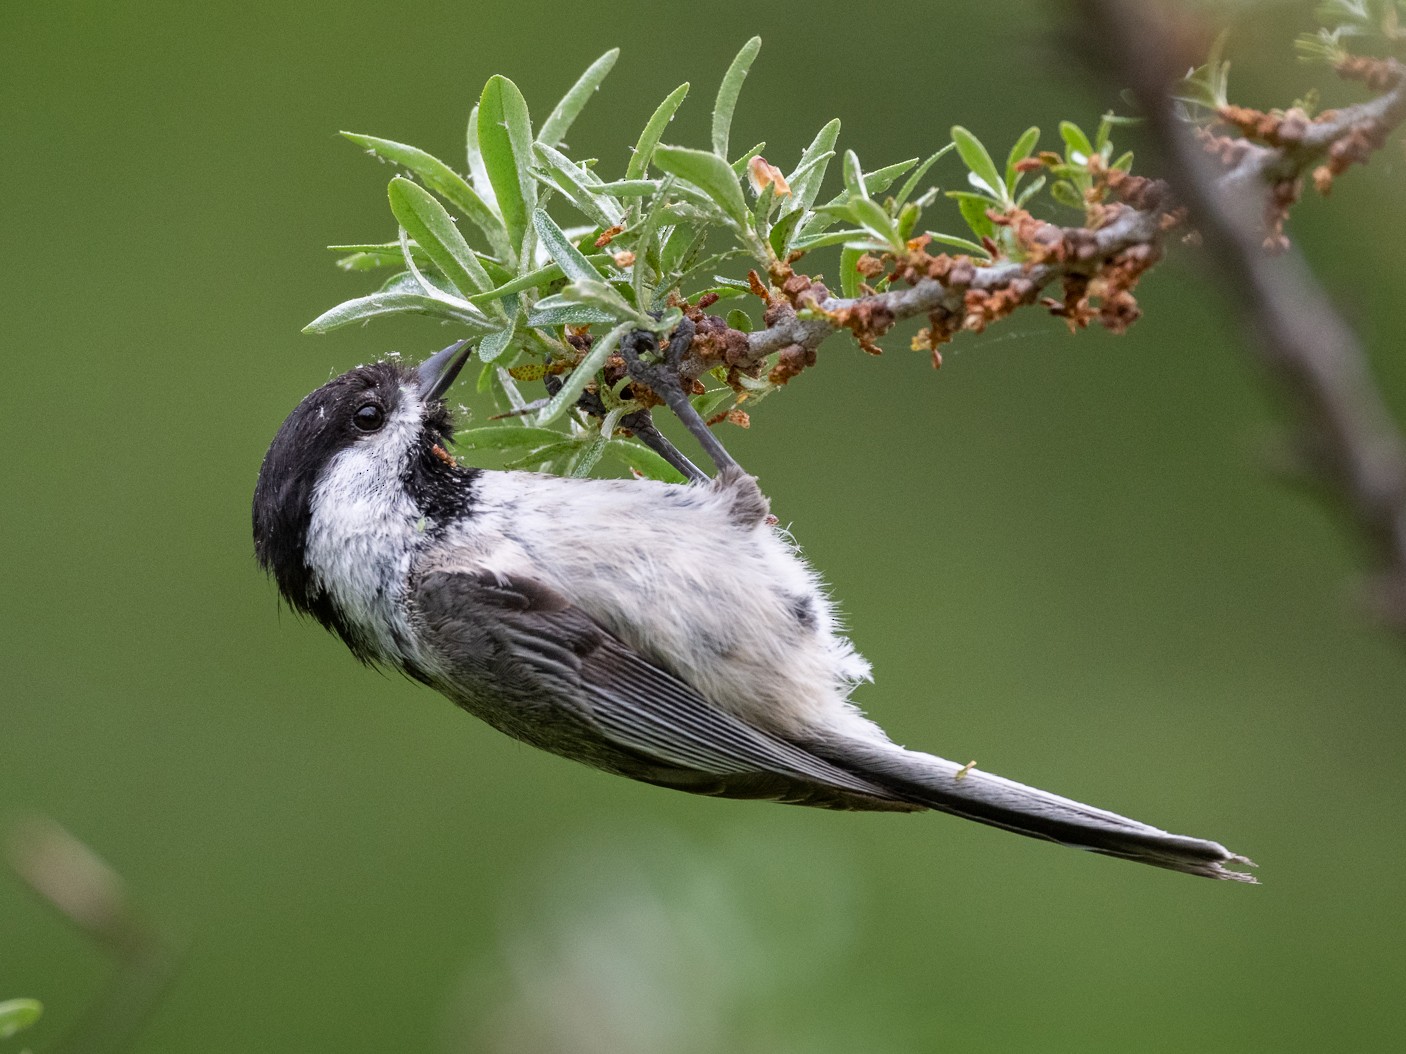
(363, 532)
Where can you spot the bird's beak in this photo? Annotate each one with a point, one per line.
(437, 373)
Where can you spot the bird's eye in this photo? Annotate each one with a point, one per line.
(369, 417)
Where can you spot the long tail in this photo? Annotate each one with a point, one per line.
(949, 787)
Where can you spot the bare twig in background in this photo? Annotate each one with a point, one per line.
(85, 890)
(1347, 433)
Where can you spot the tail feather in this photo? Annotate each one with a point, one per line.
(949, 787)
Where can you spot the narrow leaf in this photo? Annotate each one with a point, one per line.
(576, 381)
(587, 458)
(875, 220)
(973, 208)
(709, 173)
(645, 248)
(542, 276)
(570, 179)
(506, 437)
(976, 158)
(653, 131)
(571, 260)
(540, 458)
(809, 174)
(854, 176)
(505, 143)
(425, 220)
(630, 188)
(559, 121)
(397, 303)
(17, 1014)
(552, 311)
(478, 175)
(492, 347)
(1080, 149)
(739, 167)
(850, 278)
(966, 245)
(643, 460)
(911, 183)
(441, 179)
(728, 91)
(819, 241)
(1023, 148)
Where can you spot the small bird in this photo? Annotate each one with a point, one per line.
(665, 632)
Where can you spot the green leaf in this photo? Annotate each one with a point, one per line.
(575, 382)
(740, 320)
(645, 249)
(552, 311)
(709, 173)
(630, 188)
(653, 131)
(878, 181)
(1019, 152)
(728, 91)
(1075, 140)
(854, 176)
(374, 256)
(975, 157)
(571, 260)
(505, 143)
(541, 277)
(492, 347)
(441, 179)
(425, 220)
(398, 302)
(878, 222)
(911, 183)
(478, 175)
(17, 1015)
(507, 437)
(960, 243)
(643, 460)
(809, 173)
(739, 167)
(850, 278)
(587, 457)
(570, 179)
(1064, 192)
(1029, 192)
(974, 208)
(586, 300)
(906, 220)
(539, 458)
(559, 121)
(819, 241)
(781, 231)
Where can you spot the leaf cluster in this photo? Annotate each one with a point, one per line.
(548, 262)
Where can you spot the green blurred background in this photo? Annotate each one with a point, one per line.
(1064, 556)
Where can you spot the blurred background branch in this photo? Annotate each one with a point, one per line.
(1344, 432)
(72, 879)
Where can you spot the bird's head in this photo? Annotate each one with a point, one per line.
(353, 464)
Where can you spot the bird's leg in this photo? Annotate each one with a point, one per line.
(642, 425)
(662, 378)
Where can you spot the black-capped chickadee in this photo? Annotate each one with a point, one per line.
(664, 632)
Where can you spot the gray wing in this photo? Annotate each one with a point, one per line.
(519, 655)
